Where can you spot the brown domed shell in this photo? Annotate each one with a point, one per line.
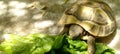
(94, 16)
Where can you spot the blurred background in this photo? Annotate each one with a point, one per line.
(18, 17)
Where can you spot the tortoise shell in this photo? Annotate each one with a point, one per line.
(94, 16)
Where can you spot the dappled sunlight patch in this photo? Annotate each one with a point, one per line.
(2, 5)
(43, 24)
(13, 3)
(38, 16)
(2, 12)
(3, 8)
(17, 4)
(17, 8)
(18, 12)
(19, 19)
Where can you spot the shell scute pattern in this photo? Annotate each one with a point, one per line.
(95, 17)
(101, 18)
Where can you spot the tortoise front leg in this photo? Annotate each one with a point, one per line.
(65, 30)
(91, 45)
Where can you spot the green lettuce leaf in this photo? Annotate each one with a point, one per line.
(31, 44)
(48, 44)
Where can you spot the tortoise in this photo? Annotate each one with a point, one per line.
(94, 17)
